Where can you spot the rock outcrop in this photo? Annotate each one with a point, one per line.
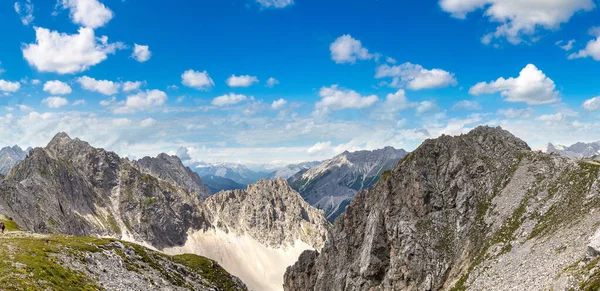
(332, 185)
(480, 211)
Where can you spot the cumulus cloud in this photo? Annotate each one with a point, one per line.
(466, 105)
(183, 154)
(592, 48)
(88, 13)
(25, 11)
(320, 148)
(148, 122)
(9, 87)
(57, 88)
(141, 53)
(67, 53)
(278, 104)
(55, 102)
(592, 104)
(272, 82)
(551, 117)
(197, 80)
(101, 86)
(142, 101)
(230, 99)
(516, 113)
(275, 3)
(79, 102)
(518, 18)
(131, 86)
(427, 106)
(532, 87)
(35, 82)
(346, 49)
(121, 122)
(415, 77)
(335, 98)
(241, 81)
(397, 101)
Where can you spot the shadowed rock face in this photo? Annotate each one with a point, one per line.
(479, 211)
(73, 188)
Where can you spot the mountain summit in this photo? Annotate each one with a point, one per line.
(480, 211)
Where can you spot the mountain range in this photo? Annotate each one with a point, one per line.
(235, 172)
(217, 184)
(70, 187)
(480, 211)
(10, 156)
(575, 151)
(291, 170)
(332, 184)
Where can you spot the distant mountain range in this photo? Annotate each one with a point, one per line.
(238, 173)
(576, 151)
(10, 156)
(331, 186)
(217, 184)
(291, 170)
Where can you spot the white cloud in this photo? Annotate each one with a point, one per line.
(592, 104)
(592, 49)
(427, 106)
(88, 13)
(275, 3)
(141, 53)
(346, 49)
(26, 13)
(79, 102)
(35, 82)
(335, 98)
(197, 80)
(67, 53)
(516, 113)
(278, 104)
(9, 87)
(230, 99)
(415, 76)
(397, 101)
(121, 122)
(131, 86)
(566, 47)
(466, 105)
(55, 102)
(109, 102)
(101, 86)
(519, 18)
(148, 122)
(142, 101)
(532, 87)
(24, 108)
(551, 117)
(57, 88)
(320, 148)
(241, 81)
(272, 82)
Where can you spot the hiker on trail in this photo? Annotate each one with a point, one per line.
(2, 226)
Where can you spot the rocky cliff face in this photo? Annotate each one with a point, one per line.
(170, 169)
(332, 185)
(479, 211)
(73, 188)
(291, 170)
(10, 156)
(258, 232)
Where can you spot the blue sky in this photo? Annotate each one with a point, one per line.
(345, 75)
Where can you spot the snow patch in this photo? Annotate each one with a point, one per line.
(260, 267)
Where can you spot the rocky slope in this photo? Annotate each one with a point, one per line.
(290, 170)
(332, 185)
(258, 232)
(217, 184)
(479, 211)
(55, 262)
(575, 151)
(170, 169)
(10, 156)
